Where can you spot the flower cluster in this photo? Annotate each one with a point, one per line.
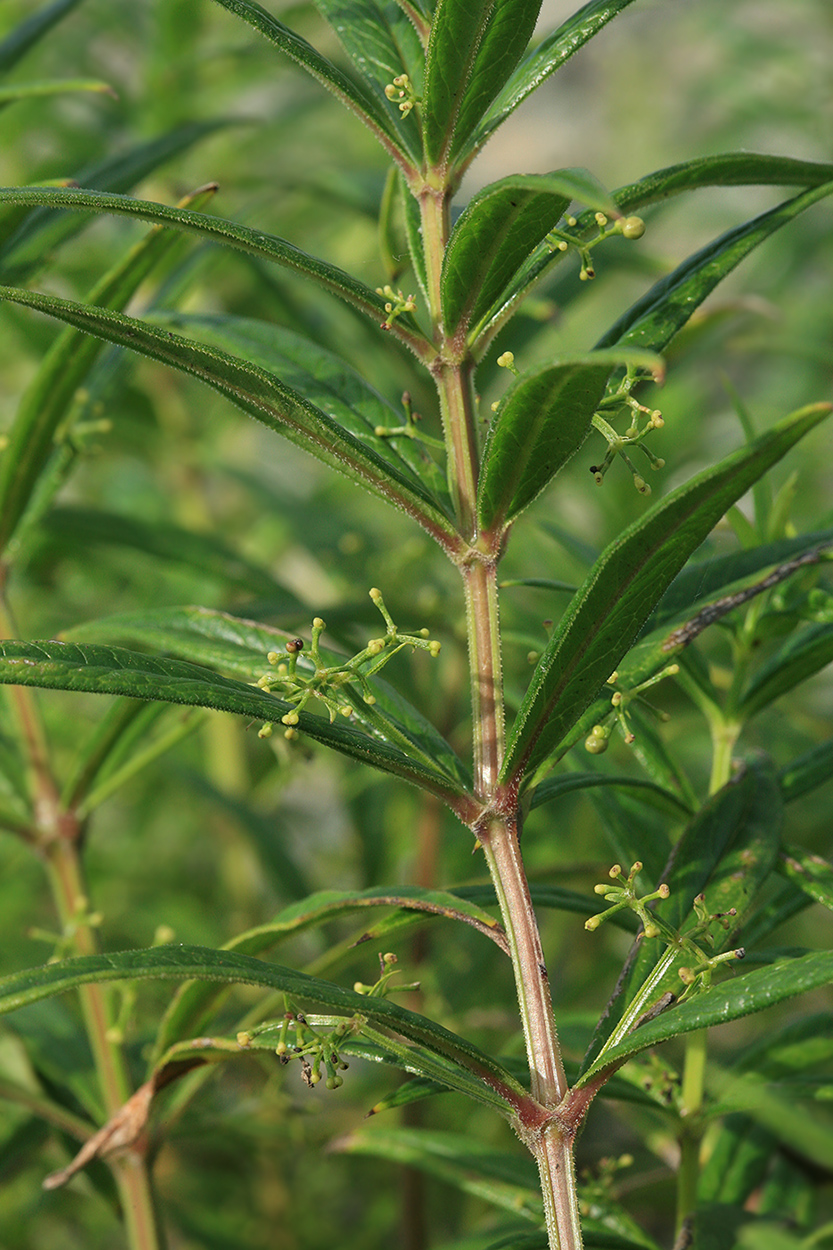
(560, 239)
(697, 972)
(401, 92)
(597, 741)
(395, 304)
(341, 687)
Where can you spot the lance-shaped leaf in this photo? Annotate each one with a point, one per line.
(505, 39)
(810, 873)
(499, 228)
(263, 396)
(381, 42)
(326, 379)
(648, 792)
(472, 49)
(29, 32)
(239, 647)
(354, 95)
(802, 655)
(726, 853)
(763, 987)
(729, 169)
(194, 1002)
(807, 771)
(181, 963)
(62, 371)
(114, 670)
(58, 86)
(542, 421)
(508, 1181)
(82, 529)
(704, 578)
(550, 54)
(654, 320)
(604, 618)
(232, 234)
(41, 235)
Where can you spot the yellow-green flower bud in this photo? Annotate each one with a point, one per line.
(633, 227)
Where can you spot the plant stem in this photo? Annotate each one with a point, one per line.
(57, 834)
(549, 1139)
(694, 1071)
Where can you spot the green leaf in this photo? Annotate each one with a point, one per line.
(62, 370)
(802, 655)
(731, 169)
(456, 31)
(812, 874)
(30, 31)
(727, 169)
(470, 1164)
(193, 1003)
(505, 39)
(382, 44)
(541, 422)
(497, 231)
(113, 670)
(702, 579)
(647, 792)
(550, 54)
(807, 771)
(82, 529)
(325, 379)
(181, 963)
(604, 618)
(655, 318)
(239, 647)
(263, 396)
(59, 86)
(356, 96)
(43, 233)
(726, 853)
(763, 987)
(232, 234)
(740, 1159)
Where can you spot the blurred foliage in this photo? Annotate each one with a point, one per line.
(254, 1157)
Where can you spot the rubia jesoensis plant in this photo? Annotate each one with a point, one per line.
(433, 86)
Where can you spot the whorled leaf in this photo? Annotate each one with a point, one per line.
(647, 792)
(263, 396)
(382, 44)
(193, 1003)
(324, 378)
(726, 853)
(604, 618)
(542, 420)
(114, 670)
(41, 234)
